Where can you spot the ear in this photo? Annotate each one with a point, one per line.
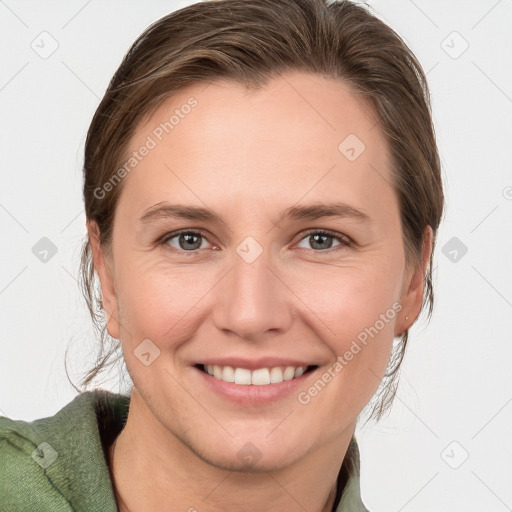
(414, 286)
(104, 268)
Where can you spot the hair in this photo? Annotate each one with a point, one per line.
(248, 43)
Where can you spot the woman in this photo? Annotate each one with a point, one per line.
(262, 190)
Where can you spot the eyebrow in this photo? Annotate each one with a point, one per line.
(310, 211)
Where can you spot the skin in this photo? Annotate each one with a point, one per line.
(247, 156)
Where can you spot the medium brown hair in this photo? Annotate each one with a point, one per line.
(249, 42)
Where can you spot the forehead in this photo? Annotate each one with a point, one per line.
(308, 106)
(283, 137)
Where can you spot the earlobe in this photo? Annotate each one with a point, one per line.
(412, 297)
(105, 274)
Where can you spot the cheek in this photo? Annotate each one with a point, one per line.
(354, 308)
(160, 303)
(351, 297)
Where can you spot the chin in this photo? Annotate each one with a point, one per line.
(250, 459)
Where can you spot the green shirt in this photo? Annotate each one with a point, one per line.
(58, 463)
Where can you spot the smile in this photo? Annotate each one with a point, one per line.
(257, 377)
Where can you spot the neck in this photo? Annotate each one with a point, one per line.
(150, 471)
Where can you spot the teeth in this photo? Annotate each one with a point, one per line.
(242, 376)
(289, 373)
(228, 374)
(276, 375)
(217, 372)
(299, 371)
(259, 377)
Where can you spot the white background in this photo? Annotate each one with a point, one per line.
(455, 384)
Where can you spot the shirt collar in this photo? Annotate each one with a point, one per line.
(82, 429)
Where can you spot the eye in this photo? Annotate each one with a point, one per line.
(321, 240)
(188, 241)
(185, 241)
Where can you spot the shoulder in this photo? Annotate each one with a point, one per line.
(53, 463)
(88, 410)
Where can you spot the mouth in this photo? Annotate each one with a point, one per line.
(257, 377)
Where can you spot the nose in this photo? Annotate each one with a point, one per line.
(252, 300)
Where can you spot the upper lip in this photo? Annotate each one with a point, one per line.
(254, 364)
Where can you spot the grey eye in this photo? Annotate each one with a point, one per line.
(187, 241)
(320, 241)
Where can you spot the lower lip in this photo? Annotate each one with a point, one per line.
(252, 394)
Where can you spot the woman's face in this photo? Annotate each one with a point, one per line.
(254, 179)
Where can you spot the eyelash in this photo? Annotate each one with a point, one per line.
(344, 240)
